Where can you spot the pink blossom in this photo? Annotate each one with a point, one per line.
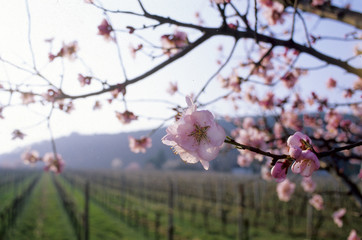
(27, 98)
(290, 79)
(248, 122)
(172, 89)
(84, 80)
(134, 50)
(173, 43)
(54, 163)
(68, 50)
(30, 156)
(266, 3)
(244, 161)
(274, 13)
(18, 134)
(297, 143)
(280, 169)
(290, 119)
(306, 164)
(105, 29)
(331, 83)
(308, 184)
(333, 120)
(278, 130)
(139, 145)
(268, 101)
(126, 117)
(265, 172)
(338, 215)
(97, 105)
(360, 174)
(220, 1)
(51, 95)
(195, 136)
(285, 190)
(357, 85)
(353, 235)
(316, 3)
(317, 202)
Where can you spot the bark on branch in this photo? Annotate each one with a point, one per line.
(328, 11)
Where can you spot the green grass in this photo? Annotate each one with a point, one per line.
(43, 217)
(12, 190)
(102, 224)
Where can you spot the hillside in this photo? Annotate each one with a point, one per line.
(99, 151)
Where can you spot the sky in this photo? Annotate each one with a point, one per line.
(73, 20)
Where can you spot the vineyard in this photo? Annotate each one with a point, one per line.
(165, 205)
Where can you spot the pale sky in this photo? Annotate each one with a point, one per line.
(70, 20)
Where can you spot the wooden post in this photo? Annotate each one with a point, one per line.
(170, 212)
(86, 211)
(309, 221)
(241, 213)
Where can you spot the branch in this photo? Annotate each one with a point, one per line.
(335, 150)
(186, 50)
(328, 11)
(253, 149)
(291, 44)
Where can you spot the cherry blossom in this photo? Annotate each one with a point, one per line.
(316, 3)
(220, 1)
(18, 134)
(353, 235)
(105, 29)
(27, 98)
(139, 145)
(265, 171)
(30, 157)
(338, 215)
(173, 43)
(280, 169)
(172, 89)
(285, 190)
(274, 13)
(134, 50)
(68, 50)
(306, 164)
(53, 162)
(195, 136)
(126, 117)
(331, 83)
(317, 202)
(84, 80)
(308, 184)
(297, 143)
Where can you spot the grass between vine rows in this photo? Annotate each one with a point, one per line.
(43, 216)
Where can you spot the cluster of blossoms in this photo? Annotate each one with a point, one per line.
(126, 117)
(302, 153)
(273, 11)
(249, 134)
(195, 136)
(54, 163)
(27, 98)
(174, 43)
(233, 82)
(30, 157)
(68, 50)
(139, 145)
